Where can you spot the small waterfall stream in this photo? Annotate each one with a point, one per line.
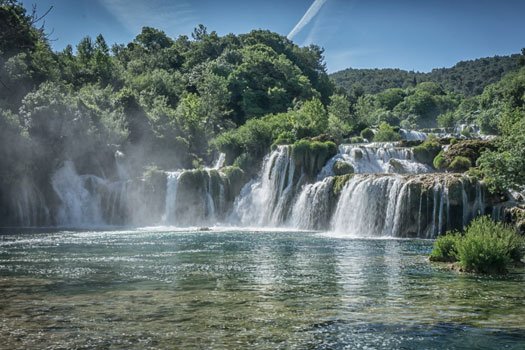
(171, 197)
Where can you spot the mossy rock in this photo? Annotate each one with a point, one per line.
(440, 162)
(460, 164)
(339, 183)
(470, 149)
(192, 179)
(516, 217)
(154, 178)
(397, 166)
(357, 153)
(235, 177)
(427, 151)
(311, 156)
(342, 168)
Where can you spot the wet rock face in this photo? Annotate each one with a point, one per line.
(201, 197)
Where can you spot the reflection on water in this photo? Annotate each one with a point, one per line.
(232, 289)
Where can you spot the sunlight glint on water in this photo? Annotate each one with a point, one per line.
(230, 289)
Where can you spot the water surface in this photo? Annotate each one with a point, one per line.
(246, 289)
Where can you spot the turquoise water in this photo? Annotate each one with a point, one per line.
(243, 289)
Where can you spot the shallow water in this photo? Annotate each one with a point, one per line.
(245, 289)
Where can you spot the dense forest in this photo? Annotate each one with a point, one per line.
(169, 103)
(466, 77)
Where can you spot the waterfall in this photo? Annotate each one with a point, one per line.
(171, 196)
(406, 206)
(195, 197)
(30, 204)
(80, 201)
(413, 135)
(312, 209)
(220, 161)
(388, 194)
(376, 158)
(266, 201)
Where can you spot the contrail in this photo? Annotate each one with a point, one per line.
(308, 15)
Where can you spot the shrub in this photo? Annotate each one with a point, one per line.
(356, 139)
(367, 134)
(466, 132)
(460, 164)
(445, 247)
(284, 138)
(386, 133)
(488, 247)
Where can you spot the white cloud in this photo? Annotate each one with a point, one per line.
(307, 17)
(174, 17)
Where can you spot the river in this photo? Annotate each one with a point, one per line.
(231, 288)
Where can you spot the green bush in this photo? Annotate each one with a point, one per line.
(445, 247)
(460, 164)
(284, 138)
(367, 134)
(486, 247)
(355, 139)
(386, 133)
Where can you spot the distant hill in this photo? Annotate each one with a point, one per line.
(466, 77)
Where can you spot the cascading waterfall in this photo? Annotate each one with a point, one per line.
(313, 206)
(388, 194)
(406, 206)
(265, 202)
(376, 158)
(413, 135)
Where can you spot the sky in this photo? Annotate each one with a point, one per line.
(408, 34)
